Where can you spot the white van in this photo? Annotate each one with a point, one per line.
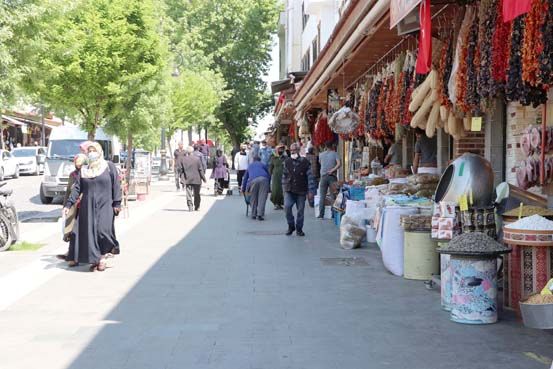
(63, 145)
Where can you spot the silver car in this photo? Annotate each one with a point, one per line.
(30, 159)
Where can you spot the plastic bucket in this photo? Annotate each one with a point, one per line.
(371, 234)
(539, 316)
(420, 259)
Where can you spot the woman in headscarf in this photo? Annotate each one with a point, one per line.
(99, 190)
(220, 172)
(276, 169)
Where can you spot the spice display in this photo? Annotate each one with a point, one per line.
(473, 244)
(529, 211)
(532, 223)
(539, 299)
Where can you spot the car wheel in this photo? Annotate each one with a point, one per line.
(43, 198)
(16, 174)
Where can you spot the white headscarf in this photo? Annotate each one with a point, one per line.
(95, 168)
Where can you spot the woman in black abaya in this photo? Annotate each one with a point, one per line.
(100, 191)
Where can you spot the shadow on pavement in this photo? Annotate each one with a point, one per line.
(234, 294)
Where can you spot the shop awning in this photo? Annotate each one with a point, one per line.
(287, 83)
(12, 121)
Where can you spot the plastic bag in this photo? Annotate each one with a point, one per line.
(344, 121)
(352, 230)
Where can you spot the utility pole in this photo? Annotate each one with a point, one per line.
(163, 164)
(43, 134)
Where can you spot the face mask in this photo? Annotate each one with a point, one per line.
(93, 156)
(263, 146)
(294, 156)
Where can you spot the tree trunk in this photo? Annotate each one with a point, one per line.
(92, 134)
(190, 136)
(129, 156)
(206, 134)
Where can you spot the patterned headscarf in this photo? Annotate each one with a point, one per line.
(95, 168)
(84, 146)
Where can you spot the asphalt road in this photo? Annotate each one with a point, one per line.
(27, 201)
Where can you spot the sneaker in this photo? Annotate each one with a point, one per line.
(290, 231)
(254, 217)
(320, 217)
(260, 218)
(300, 233)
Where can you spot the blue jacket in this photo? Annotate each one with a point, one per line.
(255, 169)
(265, 154)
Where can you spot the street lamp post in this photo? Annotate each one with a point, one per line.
(163, 163)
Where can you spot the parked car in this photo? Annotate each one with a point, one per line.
(30, 159)
(9, 166)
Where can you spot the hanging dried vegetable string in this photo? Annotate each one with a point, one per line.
(323, 133)
(389, 124)
(501, 46)
(372, 107)
(461, 77)
(513, 89)
(473, 64)
(408, 87)
(444, 72)
(545, 73)
(533, 45)
(363, 102)
(488, 18)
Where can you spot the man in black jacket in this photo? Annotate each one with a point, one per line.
(296, 178)
(192, 172)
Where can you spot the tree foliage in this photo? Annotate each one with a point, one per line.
(236, 36)
(97, 58)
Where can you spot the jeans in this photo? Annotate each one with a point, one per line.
(290, 199)
(326, 182)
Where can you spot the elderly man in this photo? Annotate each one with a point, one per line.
(177, 156)
(296, 180)
(257, 181)
(265, 152)
(192, 174)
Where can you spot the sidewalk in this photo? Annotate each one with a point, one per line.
(215, 289)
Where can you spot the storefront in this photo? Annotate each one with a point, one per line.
(474, 78)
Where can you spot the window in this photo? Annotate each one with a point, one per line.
(315, 48)
(306, 62)
(304, 17)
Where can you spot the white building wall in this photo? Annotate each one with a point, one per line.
(293, 29)
(321, 12)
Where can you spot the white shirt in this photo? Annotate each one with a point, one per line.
(241, 161)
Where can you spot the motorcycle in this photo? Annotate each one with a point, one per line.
(9, 222)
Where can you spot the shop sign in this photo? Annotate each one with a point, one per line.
(399, 9)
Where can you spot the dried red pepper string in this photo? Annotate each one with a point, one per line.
(533, 42)
(501, 46)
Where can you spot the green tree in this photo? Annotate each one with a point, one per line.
(236, 36)
(97, 58)
(196, 96)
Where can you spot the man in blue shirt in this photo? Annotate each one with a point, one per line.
(257, 182)
(265, 153)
